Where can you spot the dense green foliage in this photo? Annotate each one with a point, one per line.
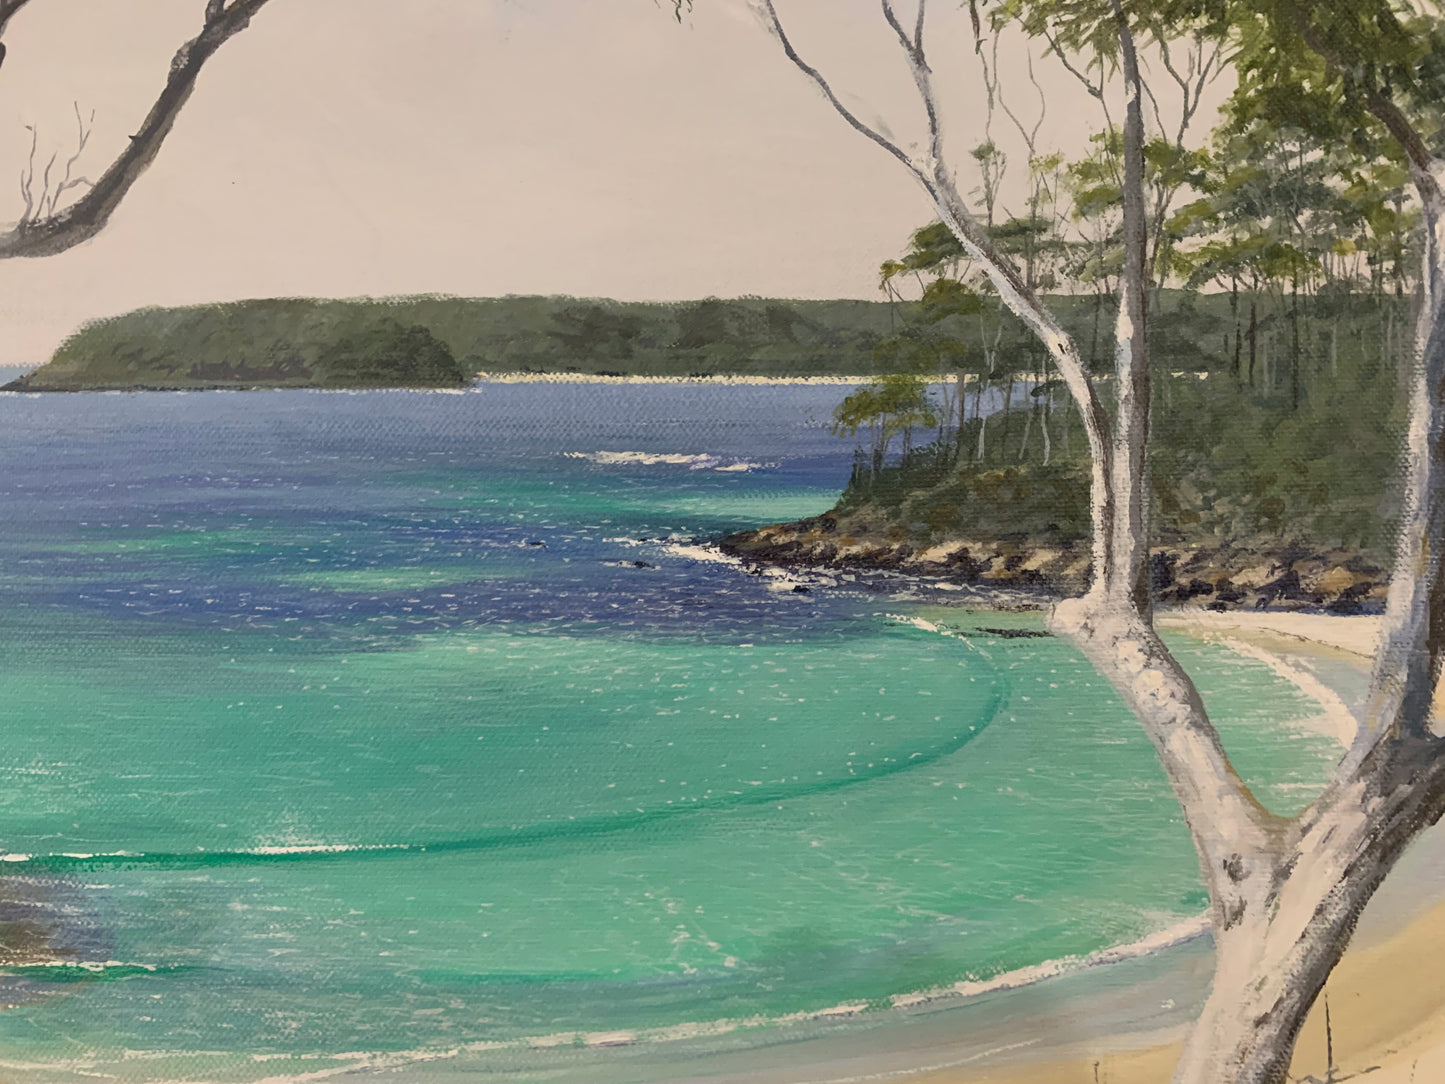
(1297, 446)
(247, 344)
(387, 353)
(1283, 253)
(298, 341)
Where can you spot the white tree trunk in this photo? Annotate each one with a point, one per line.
(1299, 908)
(1284, 894)
(1274, 956)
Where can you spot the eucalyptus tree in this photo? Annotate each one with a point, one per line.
(1368, 76)
(1094, 181)
(1284, 891)
(955, 303)
(892, 405)
(54, 219)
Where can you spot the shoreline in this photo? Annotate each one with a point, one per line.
(740, 379)
(477, 382)
(1122, 1012)
(1387, 999)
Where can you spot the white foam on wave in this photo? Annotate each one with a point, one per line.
(324, 848)
(93, 966)
(693, 461)
(263, 849)
(343, 1063)
(1177, 934)
(689, 551)
(1335, 720)
(355, 1061)
(923, 626)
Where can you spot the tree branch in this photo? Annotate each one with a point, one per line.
(88, 215)
(922, 75)
(1057, 50)
(1131, 360)
(774, 24)
(8, 9)
(1235, 837)
(1382, 108)
(82, 138)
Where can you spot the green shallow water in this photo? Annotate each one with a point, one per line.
(435, 741)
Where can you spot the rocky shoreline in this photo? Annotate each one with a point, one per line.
(1212, 577)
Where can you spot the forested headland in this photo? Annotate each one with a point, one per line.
(306, 342)
(1276, 419)
(1280, 320)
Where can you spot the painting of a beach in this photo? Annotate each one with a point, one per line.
(732, 541)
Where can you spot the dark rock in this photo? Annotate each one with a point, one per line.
(1225, 592)
(1285, 586)
(1161, 571)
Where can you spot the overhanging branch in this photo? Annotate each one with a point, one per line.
(8, 8)
(87, 216)
(770, 18)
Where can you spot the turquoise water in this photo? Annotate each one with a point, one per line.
(350, 729)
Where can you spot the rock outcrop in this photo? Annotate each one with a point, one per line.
(1219, 577)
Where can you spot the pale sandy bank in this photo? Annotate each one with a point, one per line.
(602, 378)
(1387, 1011)
(1354, 636)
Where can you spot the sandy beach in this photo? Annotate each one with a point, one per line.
(519, 377)
(1387, 1009)
(1387, 997)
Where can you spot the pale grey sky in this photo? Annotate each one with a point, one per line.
(479, 147)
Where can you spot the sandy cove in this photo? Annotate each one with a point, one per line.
(1387, 997)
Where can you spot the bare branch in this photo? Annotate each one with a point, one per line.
(1030, 136)
(1154, 105)
(45, 180)
(1199, 73)
(87, 216)
(770, 17)
(922, 77)
(1088, 84)
(8, 9)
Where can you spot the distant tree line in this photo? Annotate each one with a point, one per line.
(230, 345)
(292, 340)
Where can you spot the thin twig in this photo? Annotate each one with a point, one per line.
(82, 138)
(1063, 58)
(27, 177)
